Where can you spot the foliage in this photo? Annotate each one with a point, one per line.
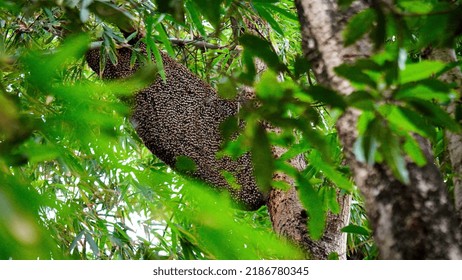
(76, 182)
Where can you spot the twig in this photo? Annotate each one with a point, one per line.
(196, 43)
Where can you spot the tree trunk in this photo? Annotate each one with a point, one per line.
(454, 140)
(414, 221)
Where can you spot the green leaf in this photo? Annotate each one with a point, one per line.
(185, 164)
(434, 114)
(165, 40)
(173, 7)
(76, 240)
(229, 127)
(269, 87)
(261, 2)
(280, 185)
(235, 148)
(114, 14)
(295, 150)
(288, 13)
(355, 74)
(262, 49)
(263, 12)
(327, 97)
(301, 66)
(407, 120)
(355, 229)
(345, 3)
(391, 152)
(419, 71)
(330, 199)
(39, 152)
(223, 235)
(227, 88)
(367, 143)
(262, 159)
(230, 179)
(315, 159)
(362, 100)
(152, 48)
(413, 150)
(359, 25)
(313, 204)
(92, 243)
(195, 17)
(333, 256)
(316, 139)
(379, 33)
(211, 9)
(429, 90)
(416, 6)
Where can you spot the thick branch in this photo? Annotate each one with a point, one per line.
(289, 218)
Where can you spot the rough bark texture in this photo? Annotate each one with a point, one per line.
(409, 222)
(289, 219)
(454, 140)
(288, 216)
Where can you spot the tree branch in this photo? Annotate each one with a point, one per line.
(200, 44)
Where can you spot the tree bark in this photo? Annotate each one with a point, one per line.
(288, 216)
(454, 140)
(414, 221)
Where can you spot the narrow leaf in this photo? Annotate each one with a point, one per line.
(430, 90)
(313, 204)
(345, 3)
(362, 100)
(327, 96)
(359, 25)
(76, 240)
(354, 229)
(269, 88)
(227, 88)
(165, 40)
(408, 120)
(433, 113)
(355, 75)
(92, 243)
(419, 71)
(114, 14)
(195, 18)
(269, 18)
(262, 49)
(391, 151)
(185, 164)
(329, 171)
(211, 9)
(413, 150)
(262, 159)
